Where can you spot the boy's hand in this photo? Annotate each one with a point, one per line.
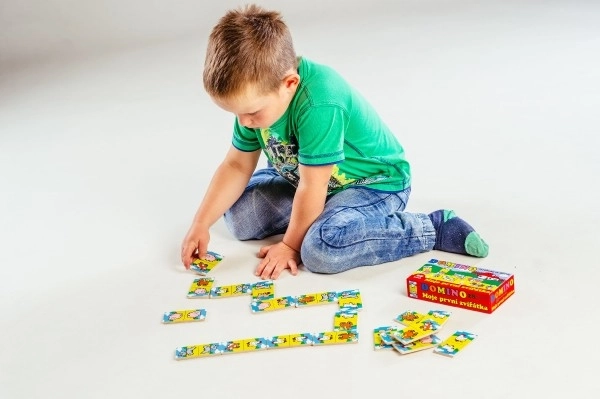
(277, 258)
(195, 244)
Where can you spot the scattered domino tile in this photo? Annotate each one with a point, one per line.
(416, 331)
(346, 337)
(241, 289)
(439, 316)
(187, 352)
(429, 325)
(182, 316)
(350, 299)
(318, 298)
(409, 317)
(301, 339)
(258, 343)
(455, 343)
(281, 341)
(215, 348)
(267, 305)
(200, 287)
(221, 291)
(231, 290)
(235, 346)
(336, 337)
(386, 336)
(324, 338)
(205, 264)
(345, 320)
(422, 344)
(377, 342)
(263, 290)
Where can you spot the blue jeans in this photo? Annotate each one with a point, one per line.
(358, 227)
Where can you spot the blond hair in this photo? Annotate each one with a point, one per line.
(248, 46)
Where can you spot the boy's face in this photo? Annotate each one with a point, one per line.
(255, 110)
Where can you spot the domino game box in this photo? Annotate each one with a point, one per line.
(462, 286)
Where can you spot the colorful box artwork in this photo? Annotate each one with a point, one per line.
(462, 286)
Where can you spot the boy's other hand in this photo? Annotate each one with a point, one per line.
(195, 244)
(275, 259)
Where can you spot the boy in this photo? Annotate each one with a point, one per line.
(337, 181)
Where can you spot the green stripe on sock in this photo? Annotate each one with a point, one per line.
(475, 246)
(448, 214)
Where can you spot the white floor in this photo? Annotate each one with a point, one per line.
(104, 159)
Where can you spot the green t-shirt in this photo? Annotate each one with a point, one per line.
(329, 122)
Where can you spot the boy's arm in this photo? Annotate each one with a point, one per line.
(227, 185)
(309, 202)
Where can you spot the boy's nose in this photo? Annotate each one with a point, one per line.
(245, 120)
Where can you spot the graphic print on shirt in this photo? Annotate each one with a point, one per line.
(284, 158)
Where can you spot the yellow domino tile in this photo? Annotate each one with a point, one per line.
(346, 337)
(325, 338)
(221, 291)
(241, 289)
(452, 345)
(200, 287)
(235, 346)
(301, 339)
(345, 321)
(281, 341)
(409, 317)
(268, 305)
(187, 352)
(350, 299)
(263, 290)
(316, 298)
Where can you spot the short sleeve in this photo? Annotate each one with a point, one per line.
(321, 131)
(244, 139)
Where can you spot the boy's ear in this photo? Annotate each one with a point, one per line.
(291, 81)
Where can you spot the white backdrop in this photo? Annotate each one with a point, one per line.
(107, 142)
(34, 30)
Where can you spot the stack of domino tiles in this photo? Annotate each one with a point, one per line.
(419, 332)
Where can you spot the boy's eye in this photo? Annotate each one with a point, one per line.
(253, 113)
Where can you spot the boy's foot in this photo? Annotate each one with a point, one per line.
(455, 235)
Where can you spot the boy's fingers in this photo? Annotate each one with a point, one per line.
(290, 265)
(263, 251)
(293, 267)
(268, 266)
(260, 268)
(184, 256)
(202, 250)
(267, 273)
(276, 272)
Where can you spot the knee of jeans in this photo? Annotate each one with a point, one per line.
(236, 228)
(315, 259)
